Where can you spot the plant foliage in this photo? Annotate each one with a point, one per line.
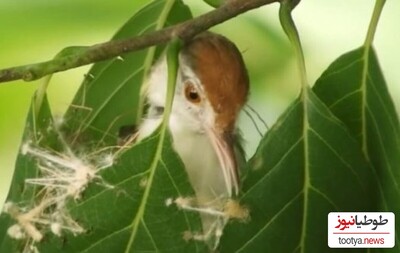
(335, 148)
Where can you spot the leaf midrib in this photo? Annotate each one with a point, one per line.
(306, 183)
(158, 154)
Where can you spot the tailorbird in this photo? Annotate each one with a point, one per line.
(212, 87)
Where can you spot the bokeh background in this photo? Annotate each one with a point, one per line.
(33, 31)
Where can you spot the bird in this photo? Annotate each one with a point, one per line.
(211, 89)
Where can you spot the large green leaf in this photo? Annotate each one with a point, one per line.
(354, 89)
(127, 212)
(127, 206)
(133, 215)
(306, 166)
(38, 129)
(109, 96)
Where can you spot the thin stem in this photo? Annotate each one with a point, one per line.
(173, 65)
(172, 60)
(374, 22)
(367, 46)
(150, 58)
(291, 31)
(111, 49)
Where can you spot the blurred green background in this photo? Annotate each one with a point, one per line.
(33, 31)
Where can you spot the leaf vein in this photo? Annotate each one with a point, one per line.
(104, 238)
(339, 158)
(381, 144)
(273, 218)
(338, 71)
(98, 194)
(146, 229)
(323, 195)
(180, 194)
(343, 98)
(274, 167)
(392, 123)
(118, 88)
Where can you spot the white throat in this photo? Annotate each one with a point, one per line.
(189, 140)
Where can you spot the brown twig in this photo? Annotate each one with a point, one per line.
(108, 50)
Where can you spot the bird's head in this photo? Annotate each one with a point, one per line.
(211, 89)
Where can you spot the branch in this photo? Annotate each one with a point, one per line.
(108, 50)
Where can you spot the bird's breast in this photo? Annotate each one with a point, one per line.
(200, 160)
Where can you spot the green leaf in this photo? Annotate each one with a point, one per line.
(38, 129)
(306, 166)
(109, 96)
(127, 206)
(133, 216)
(354, 89)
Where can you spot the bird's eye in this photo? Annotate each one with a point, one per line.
(191, 93)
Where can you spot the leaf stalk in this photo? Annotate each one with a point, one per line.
(172, 60)
(290, 29)
(148, 62)
(379, 4)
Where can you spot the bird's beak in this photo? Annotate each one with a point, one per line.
(223, 144)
